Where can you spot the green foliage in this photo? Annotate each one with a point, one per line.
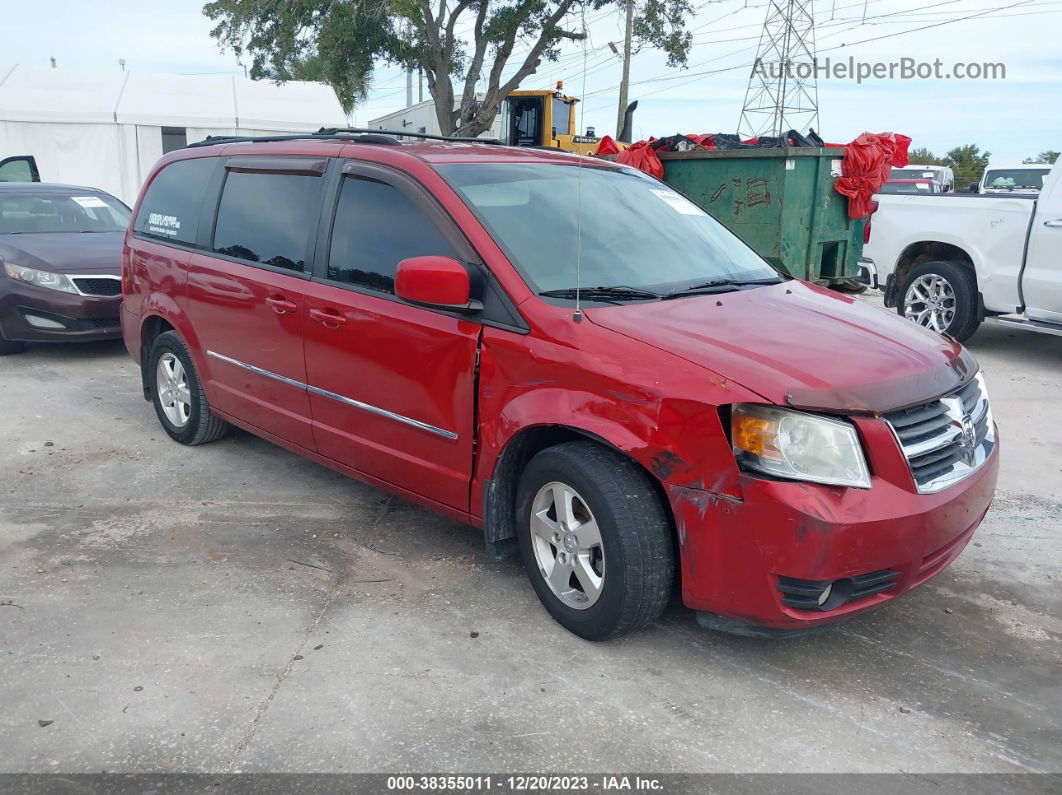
(339, 41)
(1049, 157)
(968, 162)
(924, 157)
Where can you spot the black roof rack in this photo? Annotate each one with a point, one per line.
(361, 135)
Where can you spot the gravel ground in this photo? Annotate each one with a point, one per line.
(236, 608)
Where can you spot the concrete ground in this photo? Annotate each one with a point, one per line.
(234, 607)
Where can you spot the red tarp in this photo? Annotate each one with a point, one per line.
(642, 157)
(607, 146)
(865, 168)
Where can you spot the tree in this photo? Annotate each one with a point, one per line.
(1049, 157)
(968, 163)
(923, 157)
(345, 38)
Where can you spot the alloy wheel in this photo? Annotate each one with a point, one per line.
(930, 302)
(567, 545)
(172, 388)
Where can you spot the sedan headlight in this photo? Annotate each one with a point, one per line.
(799, 446)
(53, 281)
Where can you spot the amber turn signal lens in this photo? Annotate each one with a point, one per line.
(756, 435)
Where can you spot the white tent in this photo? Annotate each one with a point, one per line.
(107, 129)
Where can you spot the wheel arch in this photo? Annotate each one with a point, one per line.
(925, 251)
(499, 492)
(161, 314)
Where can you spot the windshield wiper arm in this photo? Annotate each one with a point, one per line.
(614, 292)
(719, 286)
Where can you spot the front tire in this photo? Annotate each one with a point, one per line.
(941, 296)
(595, 540)
(177, 393)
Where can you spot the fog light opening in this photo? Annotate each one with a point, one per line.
(43, 322)
(825, 594)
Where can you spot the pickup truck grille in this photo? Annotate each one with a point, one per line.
(947, 439)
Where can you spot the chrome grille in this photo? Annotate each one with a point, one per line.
(947, 439)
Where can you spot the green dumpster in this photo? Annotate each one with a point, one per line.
(780, 201)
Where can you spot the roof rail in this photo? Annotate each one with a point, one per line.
(405, 133)
(359, 135)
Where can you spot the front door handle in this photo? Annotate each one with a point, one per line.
(329, 318)
(1054, 223)
(281, 305)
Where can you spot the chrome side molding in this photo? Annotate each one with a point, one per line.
(337, 397)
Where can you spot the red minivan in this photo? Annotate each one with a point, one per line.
(569, 355)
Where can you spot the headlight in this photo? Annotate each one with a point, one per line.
(53, 281)
(792, 444)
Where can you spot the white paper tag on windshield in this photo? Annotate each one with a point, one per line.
(928, 174)
(89, 201)
(679, 204)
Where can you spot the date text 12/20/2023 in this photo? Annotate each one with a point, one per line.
(522, 783)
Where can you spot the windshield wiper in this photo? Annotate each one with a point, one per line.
(719, 286)
(618, 292)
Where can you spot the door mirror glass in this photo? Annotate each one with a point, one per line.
(434, 281)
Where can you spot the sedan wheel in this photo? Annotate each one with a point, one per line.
(930, 301)
(174, 395)
(567, 545)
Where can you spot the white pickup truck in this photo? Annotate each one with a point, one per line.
(950, 260)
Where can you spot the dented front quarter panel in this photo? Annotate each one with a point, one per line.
(659, 409)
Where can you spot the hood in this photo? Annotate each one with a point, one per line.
(801, 345)
(66, 252)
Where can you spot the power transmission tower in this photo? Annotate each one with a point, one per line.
(783, 92)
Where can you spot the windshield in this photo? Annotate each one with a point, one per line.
(910, 187)
(1016, 178)
(625, 228)
(27, 213)
(915, 173)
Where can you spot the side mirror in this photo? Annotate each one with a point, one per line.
(975, 187)
(435, 281)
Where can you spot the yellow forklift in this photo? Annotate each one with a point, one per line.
(546, 119)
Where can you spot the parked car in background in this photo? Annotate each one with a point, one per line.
(569, 354)
(60, 264)
(948, 262)
(1022, 178)
(19, 168)
(911, 186)
(942, 175)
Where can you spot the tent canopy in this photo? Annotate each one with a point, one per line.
(210, 101)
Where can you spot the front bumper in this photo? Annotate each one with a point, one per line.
(36, 314)
(740, 559)
(868, 273)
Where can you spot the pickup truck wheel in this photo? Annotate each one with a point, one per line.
(941, 296)
(177, 393)
(595, 539)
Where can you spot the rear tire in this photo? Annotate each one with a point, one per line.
(616, 585)
(941, 296)
(177, 393)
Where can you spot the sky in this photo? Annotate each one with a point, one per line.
(1013, 118)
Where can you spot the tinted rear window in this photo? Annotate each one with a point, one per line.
(268, 218)
(171, 207)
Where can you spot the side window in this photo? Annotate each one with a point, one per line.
(376, 227)
(170, 209)
(268, 218)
